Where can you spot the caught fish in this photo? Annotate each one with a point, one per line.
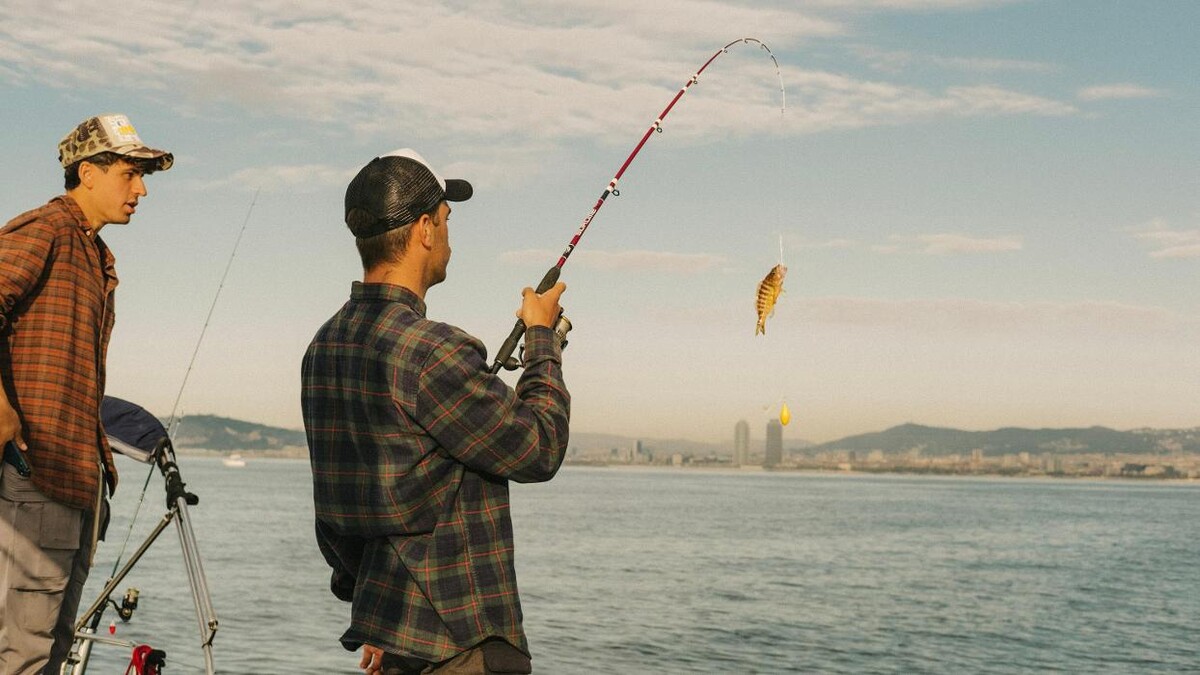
(768, 292)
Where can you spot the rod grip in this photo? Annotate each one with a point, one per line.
(549, 279)
(504, 354)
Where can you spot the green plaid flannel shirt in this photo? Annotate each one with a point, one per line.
(412, 443)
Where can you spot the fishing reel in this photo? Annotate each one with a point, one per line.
(562, 326)
(128, 605)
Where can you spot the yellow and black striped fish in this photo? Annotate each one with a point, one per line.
(768, 292)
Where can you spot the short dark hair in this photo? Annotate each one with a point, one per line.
(105, 160)
(388, 246)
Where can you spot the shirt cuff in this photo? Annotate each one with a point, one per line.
(541, 344)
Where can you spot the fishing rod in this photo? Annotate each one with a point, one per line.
(172, 422)
(504, 357)
(178, 499)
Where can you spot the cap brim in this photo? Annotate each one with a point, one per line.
(164, 159)
(458, 190)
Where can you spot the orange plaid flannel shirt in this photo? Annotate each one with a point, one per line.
(57, 285)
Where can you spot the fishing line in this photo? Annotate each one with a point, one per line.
(171, 422)
(229, 263)
(504, 354)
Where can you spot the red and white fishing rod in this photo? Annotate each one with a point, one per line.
(504, 358)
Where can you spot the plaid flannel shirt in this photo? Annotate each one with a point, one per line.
(57, 287)
(412, 443)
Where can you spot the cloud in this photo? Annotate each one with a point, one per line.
(831, 101)
(909, 5)
(297, 177)
(1117, 91)
(1166, 242)
(989, 316)
(896, 61)
(827, 244)
(1031, 320)
(950, 244)
(624, 261)
(508, 70)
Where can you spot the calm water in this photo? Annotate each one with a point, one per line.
(686, 571)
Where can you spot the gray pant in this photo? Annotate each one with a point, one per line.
(45, 554)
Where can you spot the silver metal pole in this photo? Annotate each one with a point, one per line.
(206, 616)
(85, 635)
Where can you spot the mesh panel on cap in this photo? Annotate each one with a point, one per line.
(389, 192)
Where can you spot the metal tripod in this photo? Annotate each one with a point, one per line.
(178, 499)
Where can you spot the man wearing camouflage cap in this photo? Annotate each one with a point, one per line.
(57, 282)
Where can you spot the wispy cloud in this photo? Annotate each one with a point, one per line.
(282, 177)
(819, 245)
(1084, 319)
(1166, 242)
(1117, 91)
(624, 261)
(520, 70)
(896, 61)
(909, 5)
(990, 316)
(950, 244)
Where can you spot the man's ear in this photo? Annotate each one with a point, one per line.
(86, 173)
(425, 230)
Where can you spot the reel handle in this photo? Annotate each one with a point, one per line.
(504, 355)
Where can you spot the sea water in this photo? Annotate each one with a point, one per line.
(626, 570)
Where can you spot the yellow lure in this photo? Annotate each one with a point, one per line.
(785, 415)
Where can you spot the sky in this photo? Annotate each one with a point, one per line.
(988, 209)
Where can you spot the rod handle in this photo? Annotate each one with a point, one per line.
(504, 356)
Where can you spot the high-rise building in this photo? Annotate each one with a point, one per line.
(774, 455)
(741, 443)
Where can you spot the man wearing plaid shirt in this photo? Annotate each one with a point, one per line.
(57, 286)
(413, 442)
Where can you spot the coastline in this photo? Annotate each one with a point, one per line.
(301, 453)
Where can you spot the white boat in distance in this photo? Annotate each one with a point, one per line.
(234, 460)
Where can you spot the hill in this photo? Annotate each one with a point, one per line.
(223, 433)
(938, 441)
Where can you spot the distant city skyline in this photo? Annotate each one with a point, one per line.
(988, 208)
(773, 452)
(741, 443)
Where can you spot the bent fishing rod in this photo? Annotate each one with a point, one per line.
(504, 357)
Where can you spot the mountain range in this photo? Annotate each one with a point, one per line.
(222, 433)
(935, 441)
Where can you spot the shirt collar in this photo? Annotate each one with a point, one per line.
(362, 292)
(76, 213)
(72, 207)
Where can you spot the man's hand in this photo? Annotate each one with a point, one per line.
(372, 660)
(10, 425)
(540, 310)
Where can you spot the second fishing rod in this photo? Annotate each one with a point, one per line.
(504, 355)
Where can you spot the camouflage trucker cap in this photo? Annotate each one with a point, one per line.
(109, 133)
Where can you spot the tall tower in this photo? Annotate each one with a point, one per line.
(774, 456)
(741, 443)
